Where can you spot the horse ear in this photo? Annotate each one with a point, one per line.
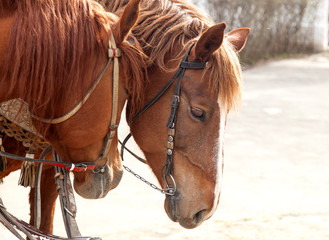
(209, 42)
(238, 38)
(128, 19)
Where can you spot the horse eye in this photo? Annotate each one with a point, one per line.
(198, 113)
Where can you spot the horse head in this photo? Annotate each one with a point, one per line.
(67, 68)
(85, 135)
(209, 86)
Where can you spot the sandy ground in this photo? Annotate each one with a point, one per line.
(276, 178)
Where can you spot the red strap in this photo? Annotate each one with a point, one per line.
(114, 53)
(78, 167)
(74, 167)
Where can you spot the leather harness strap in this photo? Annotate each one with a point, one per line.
(167, 170)
(66, 199)
(114, 53)
(31, 232)
(79, 167)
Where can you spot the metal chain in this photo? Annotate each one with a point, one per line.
(167, 191)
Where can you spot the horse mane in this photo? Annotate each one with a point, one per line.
(164, 24)
(56, 47)
(8, 4)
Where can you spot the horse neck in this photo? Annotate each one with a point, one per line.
(55, 66)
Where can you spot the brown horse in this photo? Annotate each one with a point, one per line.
(167, 30)
(51, 53)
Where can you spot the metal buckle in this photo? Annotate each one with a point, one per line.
(113, 127)
(114, 52)
(85, 167)
(102, 168)
(72, 167)
(175, 100)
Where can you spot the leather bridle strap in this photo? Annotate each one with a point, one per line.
(178, 75)
(114, 53)
(78, 167)
(147, 106)
(171, 124)
(175, 100)
(193, 65)
(155, 98)
(167, 168)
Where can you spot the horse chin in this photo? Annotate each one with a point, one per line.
(92, 185)
(187, 219)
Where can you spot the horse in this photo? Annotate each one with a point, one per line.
(55, 57)
(186, 151)
(167, 30)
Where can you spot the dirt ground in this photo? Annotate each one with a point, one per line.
(276, 176)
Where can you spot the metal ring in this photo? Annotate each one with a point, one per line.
(84, 167)
(102, 168)
(171, 190)
(72, 167)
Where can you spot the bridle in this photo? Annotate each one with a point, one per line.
(167, 169)
(113, 53)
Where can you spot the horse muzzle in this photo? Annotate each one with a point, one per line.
(187, 218)
(95, 185)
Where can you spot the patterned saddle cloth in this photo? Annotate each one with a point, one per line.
(15, 121)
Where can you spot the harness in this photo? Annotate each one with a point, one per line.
(167, 169)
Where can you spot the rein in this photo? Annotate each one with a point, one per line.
(167, 169)
(113, 53)
(79, 167)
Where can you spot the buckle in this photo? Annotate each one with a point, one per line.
(114, 52)
(113, 127)
(175, 100)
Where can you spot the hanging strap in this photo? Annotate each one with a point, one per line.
(66, 199)
(37, 187)
(114, 53)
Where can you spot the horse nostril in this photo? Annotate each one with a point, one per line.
(198, 217)
(173, 202)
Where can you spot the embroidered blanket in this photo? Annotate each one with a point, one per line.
(15, 121)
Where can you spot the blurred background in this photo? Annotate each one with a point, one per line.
(276, 175)
(280, 28)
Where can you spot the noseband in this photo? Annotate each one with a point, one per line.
(167, 169)
(113, 53)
